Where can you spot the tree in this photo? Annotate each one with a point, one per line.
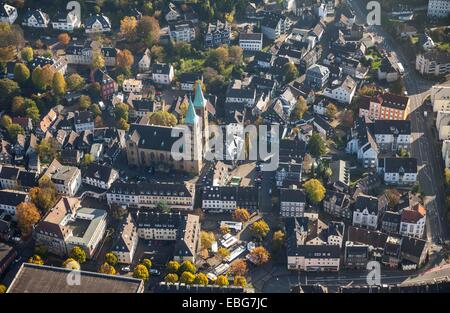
(278, 239)
(187, 278)
(217, 58)
(393, 196)
(77, 253)
(8, 89)
(42, 77)
(111, 259)
(84, 102)
(290, 72)
(141, 272)
(75, 82)
(259, 255)
(87, 159)
(43, 198)
(21, 73)
(368, 90)
(240, 281)
(122, 124)
(124, 59)
(222, 280)
(224, 229)
(331, 111)
(36, 259)
(187, 266)
(147, 263)
(447, 177)
(315, 190)
(121, 111)
(59, 84)
(173, 267)
(347, 118)
(14, 130)
(260, 229)
(235, 54)
(171, 278)
(128, 26)
(158, 53)
(95, 109)
(3, 288)
(71, 264)
(27, 54)
(206, 239)
(398, 87)
(64, 38)
(148, 29)
(223, 252)
(98, 62)
(5, 120)
(47, 149)
(201, 279)
(241, 215)
(27, 215)
(300, 108)
(238, 267)
(316, 145)
(162, 118)
(107, 268)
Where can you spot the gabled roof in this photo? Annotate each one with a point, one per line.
(91, 20)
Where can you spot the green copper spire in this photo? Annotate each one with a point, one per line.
(199, 100)
(191, 117)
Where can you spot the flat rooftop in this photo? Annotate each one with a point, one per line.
(32, 278)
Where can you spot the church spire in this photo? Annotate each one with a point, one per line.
(191, 118)
(199, 99)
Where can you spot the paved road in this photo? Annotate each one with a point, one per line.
(425, 146)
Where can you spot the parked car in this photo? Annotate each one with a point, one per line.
(154, 272)
(126, 269)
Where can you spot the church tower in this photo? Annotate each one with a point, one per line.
(192, 120)
(200, 109)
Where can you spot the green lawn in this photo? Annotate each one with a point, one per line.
(190, 65)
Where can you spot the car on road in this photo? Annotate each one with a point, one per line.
(154, 272)
(126, 269)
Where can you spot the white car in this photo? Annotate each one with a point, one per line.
(126, 269)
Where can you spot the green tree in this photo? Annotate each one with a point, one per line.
(240, 281)
(111, 259)
(59, 84)
(260, 229)
(14, 130)
(44, 198)
(299, 109)
(163, 206)
(107, 268)
(187, 266)
(8, 89)
(315, 190)
(122, 124)
(278, 239)
(27, 54)
(75, 82)
(147, 263)
(141, 272)
(187, 278)
(316, 145)
(331, 111)
(87, 159)
(290, 72)
(222, 280)
(162, 118)
(42, 77)
(3, 288)
(48, 149)
(5, 120)
(33, 113)
(121, 111)
(201, 279)
(241, 215)
(77, 253)
(206, 239)
(36, 259)
(223, 252)
(148, 30)
(171, 278)
(21, 73)
(71, 264)
(173, 267)
(98, 62)
(84, 102)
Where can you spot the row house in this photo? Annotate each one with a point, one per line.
(390, 69)
(149, 195)
(440, 98)
(392, 135)
(83, 120)
(433, 62)
(97, 23)
(67, 179)
(217, 34)
(162, 73)
(217, 199)
(367, 210)
(100, 176)
(132, 85)
(274, 25)
(251, 41)
(385, 106)
(363, 144)
(8, 13)
(183, 229)
(66, 21)
(188, 80)
(398, 171)
(82, 54)
(126, 241)
(108, 86)
(183, 31)
(35, 18)
(10, 199)
(337, 204)
(59, 229)
(292, 202)
(412, 221)
(342, 92)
